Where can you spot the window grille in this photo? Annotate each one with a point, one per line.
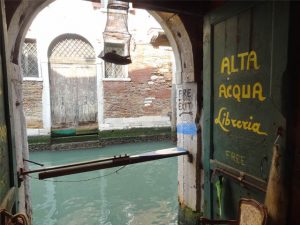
(113, 70)
(72, 47)
(29, 60)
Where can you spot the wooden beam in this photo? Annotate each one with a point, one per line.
(105, 163)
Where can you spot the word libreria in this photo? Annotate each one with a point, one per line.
(226, 122)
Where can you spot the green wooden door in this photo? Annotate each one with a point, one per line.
(7, 168)
(245, 48)
(4, 155)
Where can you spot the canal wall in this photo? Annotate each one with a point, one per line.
(101, 139)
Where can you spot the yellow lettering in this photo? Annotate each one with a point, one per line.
(239, 124)
(3, 133)
(232, 156)
(227, 153)
(235, 157)
(258, 90)
(224, 118)
(245, 125)
(242, 91)
(218, 119)
(237, 92)
(225, 122)
(250, 123)
(256, 127)
(248, 93)
(222, 91)
(242, 160)
(232, 67)
(252, 58)
(225, 65)
(242, 59)
(229, 88)
(233, 122)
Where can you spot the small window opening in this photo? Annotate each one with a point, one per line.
(29, 61)
(114, 70)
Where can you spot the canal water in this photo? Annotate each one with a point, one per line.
(139, 194)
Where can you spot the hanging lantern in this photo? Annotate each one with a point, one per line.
(116, 36)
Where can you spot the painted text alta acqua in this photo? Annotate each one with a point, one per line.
(237, 63)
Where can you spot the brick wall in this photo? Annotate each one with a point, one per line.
(149, 91)
(32, 103)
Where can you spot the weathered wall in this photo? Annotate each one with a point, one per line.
(32, 103)
(148, 92)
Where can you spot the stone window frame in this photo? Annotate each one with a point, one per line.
(33, 78)
(124, 77)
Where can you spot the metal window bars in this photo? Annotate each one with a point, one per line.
(29, 62)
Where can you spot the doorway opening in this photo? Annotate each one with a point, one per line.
(175, 36)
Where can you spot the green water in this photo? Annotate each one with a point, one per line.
(139, 194)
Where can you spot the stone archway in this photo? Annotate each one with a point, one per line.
(188, 137)
(189, 177)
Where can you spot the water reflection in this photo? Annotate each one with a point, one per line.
(139, 194)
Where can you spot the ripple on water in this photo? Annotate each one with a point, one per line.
(140, 194)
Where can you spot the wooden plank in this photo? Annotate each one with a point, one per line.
(207, 112)
(87, 95)
(5, 169)
(73, 96)
(115, 161)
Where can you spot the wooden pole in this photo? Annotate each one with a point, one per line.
(276, 196)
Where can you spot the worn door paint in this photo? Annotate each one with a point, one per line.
(73, 88)
(245, 47)
(4, 155)
(6, 165)
(73, 95)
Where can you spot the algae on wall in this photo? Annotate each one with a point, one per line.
(100, 139)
